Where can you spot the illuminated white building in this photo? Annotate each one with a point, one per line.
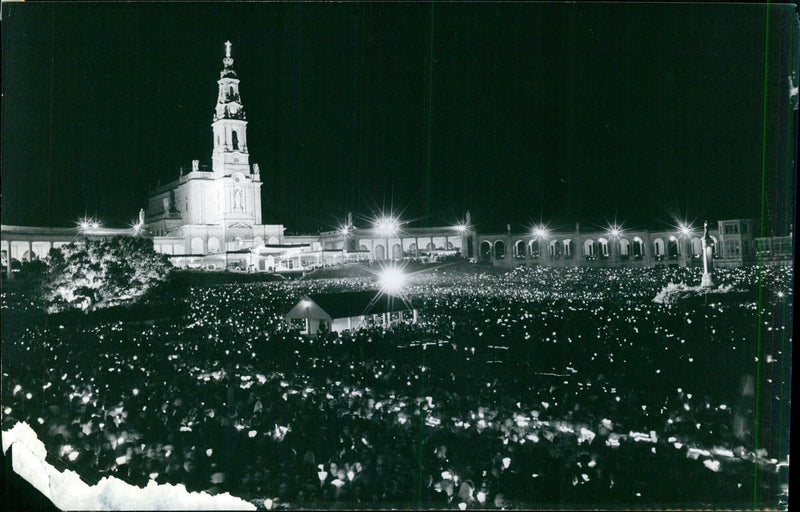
(217, 210)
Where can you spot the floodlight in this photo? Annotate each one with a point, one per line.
(386, 226)
(392, 280)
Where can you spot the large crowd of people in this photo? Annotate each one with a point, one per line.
(534, 387)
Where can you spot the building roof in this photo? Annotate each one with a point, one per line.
(347, 304)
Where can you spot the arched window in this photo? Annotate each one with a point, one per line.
(588, 248)
(638, 248)
(603, 246)
(569, 247)
(397, 252)
(673, 250)
(197, 245)
(499, 250)
(519, 249)
(235, 139)
(697, 247)
(213, 244)
(624, 248)
(534, 247)
(380, 252)
(658, 248)
(555, 249)
(486, 250)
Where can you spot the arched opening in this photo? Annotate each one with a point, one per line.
(673, 249)
(534, 248)
(363, 248)
(697, 247)
(499, 250)
(258, 241)
(380, 252)
(429, 247)
(486, 250)
(519, 249)
(589, 249)
(412, 249)
(238, 242)
(197, 245)
(235, 139)
(273, 240)
(556, 248)
(603, 246)
(213, 244)
(659, 249)
(397, 252)
(449, 246)
(568, 247)
(624, 248)
(638, 248)
(230, 92)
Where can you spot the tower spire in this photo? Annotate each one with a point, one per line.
(227, 61)
(229, 125)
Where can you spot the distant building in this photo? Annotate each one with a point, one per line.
(338, 312)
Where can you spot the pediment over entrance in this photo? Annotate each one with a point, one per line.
(240, 225)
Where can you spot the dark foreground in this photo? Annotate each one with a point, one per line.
(537, 388)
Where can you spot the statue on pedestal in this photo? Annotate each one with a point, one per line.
(708, 253)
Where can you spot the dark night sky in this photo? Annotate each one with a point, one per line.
(571, 112)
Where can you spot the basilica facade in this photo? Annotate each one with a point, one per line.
(211, 211)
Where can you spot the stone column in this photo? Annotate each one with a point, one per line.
(9, 272)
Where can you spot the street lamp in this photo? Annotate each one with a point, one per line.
(539, 233)
(686, 231)
(387, 227)
(86, 225)
(615, 232)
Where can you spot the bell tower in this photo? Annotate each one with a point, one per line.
(230, 125)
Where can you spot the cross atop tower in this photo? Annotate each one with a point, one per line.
(227, 61)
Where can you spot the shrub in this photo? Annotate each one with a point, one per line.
(95, 273)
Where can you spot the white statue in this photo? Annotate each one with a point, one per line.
(141, 216)
(195, 165)
(165, 203)
(255, 169)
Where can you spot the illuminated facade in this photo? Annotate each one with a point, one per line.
(217, 210)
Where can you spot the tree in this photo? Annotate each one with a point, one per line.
(95, 273)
